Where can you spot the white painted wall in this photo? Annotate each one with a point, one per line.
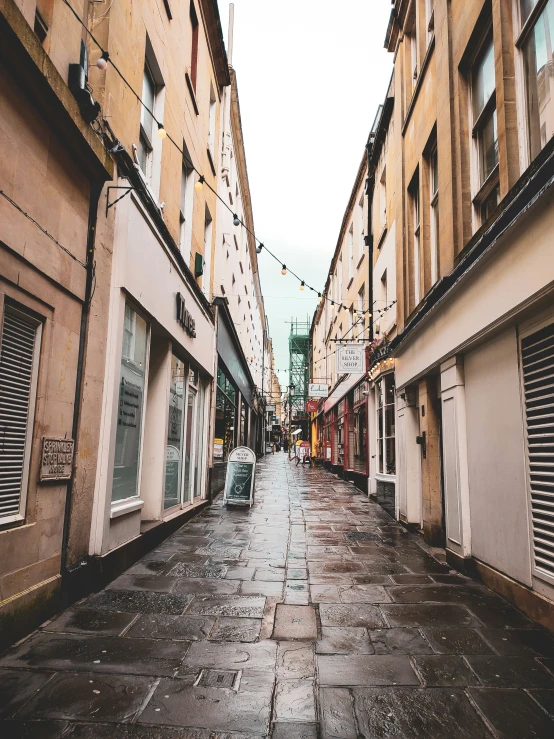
(496, 458)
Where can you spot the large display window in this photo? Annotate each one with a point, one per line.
(225, 417)
(130, 406)
(386, 425)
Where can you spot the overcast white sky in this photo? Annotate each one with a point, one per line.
(310, 76)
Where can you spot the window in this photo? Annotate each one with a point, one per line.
(175, 434)
(430, 19)
(146, 122)
(19, 354)
(434, 215)
(414, 199)
(411, 50)
(211, 131)
(194, 46)
(383, 200)
(206, 278)
(537, 362)
(361, 226)
(485, 131)
(350, 253)
(186, 205)
(386, 450)
(131, 406)
(536, 44)
(339, 278)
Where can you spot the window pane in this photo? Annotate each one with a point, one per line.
(483, 81)
(391, 457)
(191, 420)
(381, 467)
(489, 204)
(434, 172)
(539, 72)
(199, 452)
(174, 450)
(148, 100)
(488, 147)
(389, 420)
(526, 8)
(129, 419)
(389, 389)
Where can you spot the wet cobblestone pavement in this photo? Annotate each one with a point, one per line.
(313, 614)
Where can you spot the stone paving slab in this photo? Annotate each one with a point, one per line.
(313, 610)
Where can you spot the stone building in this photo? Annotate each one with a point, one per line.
(111, 121)
(52, 170)
(339, 428)
(474, 353)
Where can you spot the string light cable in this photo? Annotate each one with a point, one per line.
(106, 59)
(44, 231)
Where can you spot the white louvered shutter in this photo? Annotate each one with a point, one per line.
(16, 374)
(538, 377)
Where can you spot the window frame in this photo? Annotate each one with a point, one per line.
(482, 186)
(20, 311)
(381, 440)
(434, 213)
(414, 193)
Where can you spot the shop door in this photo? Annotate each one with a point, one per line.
(175, 435)
(189, 442)
(199, 444)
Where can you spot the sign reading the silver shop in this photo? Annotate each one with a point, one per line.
(350, 359)
(57, 459)
(184, 318)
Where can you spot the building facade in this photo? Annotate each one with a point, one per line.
(474, 351)
(111, 327)
(340, 426)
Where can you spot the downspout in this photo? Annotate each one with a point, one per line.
(95, 190)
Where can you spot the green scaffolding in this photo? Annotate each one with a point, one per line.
(299, 371)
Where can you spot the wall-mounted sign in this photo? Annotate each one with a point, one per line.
(350, 359)
(316, 390)
(184, 318)
(57, 459)
(239, 480)
(270, 409)
(311, 406)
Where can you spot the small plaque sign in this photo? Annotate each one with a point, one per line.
(57, 459)
(239, 480)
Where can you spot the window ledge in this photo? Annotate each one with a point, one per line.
(383, 236)
(350, 281)
(126, 506)
(360, 260)
(384, 477)
(192, 93)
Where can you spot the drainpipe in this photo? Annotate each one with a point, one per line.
(95, 190)
(370, 189)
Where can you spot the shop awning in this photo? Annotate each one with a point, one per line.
(341, 390)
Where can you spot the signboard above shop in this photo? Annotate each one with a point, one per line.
(317, 390)
(350, 359)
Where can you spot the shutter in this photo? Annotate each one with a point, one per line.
(538, 378)
(16, 370)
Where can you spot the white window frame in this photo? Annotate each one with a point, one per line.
(526, 329)
(9, 308)
(381, 440)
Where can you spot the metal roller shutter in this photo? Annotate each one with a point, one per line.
(538, 378)
(16, 371)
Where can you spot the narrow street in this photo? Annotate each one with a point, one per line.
(313, 614)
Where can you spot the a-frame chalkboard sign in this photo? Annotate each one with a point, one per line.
(239, 480)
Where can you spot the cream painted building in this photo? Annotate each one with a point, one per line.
(474, 352)
(339, 429)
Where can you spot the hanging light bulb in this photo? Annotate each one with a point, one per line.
(302, 285)
(259, 249)
(284, 270)
(198, 185)
(319, 297)
(236, 220)
(162, 133)
(102, 63)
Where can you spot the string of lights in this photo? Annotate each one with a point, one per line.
(102, 64)
(44, 231)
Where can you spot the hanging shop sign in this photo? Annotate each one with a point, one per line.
(239, 480)
(316, 390)
(350, 359)
(184, 318)
(311, 406)
(57, 459)
(270, 408)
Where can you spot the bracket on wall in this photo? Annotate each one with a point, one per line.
(423, 441)
(128, 189)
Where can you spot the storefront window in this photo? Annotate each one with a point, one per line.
(199, 453)
(386, 449)
(225, 413)
(175, 435)
(131, 406)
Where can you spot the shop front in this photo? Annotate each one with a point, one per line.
(382, 409)
(153, 457)
(237, 420)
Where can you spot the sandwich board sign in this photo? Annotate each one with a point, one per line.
(239, 480)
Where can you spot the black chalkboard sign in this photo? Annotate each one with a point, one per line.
(239, 480)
